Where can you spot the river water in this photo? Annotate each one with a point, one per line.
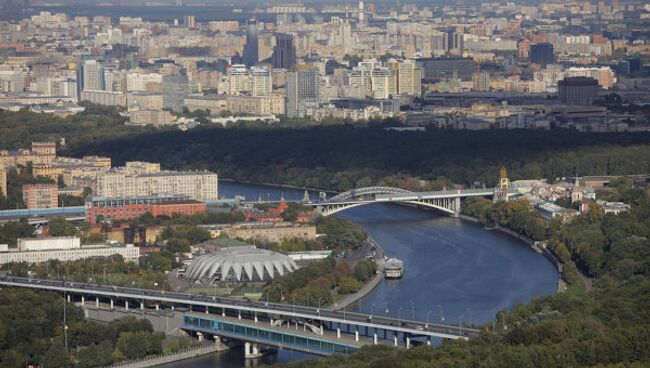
(454, 270)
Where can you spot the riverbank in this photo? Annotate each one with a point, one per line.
(157, 360)
(369, 286)
(561, 284)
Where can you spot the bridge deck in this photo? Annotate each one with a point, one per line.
(290, 336)
(359, 320)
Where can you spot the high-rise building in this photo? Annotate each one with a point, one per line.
(384, 83)
(90, 76)
(541, 54)
(409, 76)
(362, 15)
(189, 21)
(239, 80)
(251, 48)
(41, 196)
(578, 90)
(445, 68)
(284, 52)
(302, 90)
(455, 43)
(261, 81)
(175, 88)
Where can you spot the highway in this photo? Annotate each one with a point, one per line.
(359, 320)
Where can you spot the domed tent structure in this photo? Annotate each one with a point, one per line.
(238, 264)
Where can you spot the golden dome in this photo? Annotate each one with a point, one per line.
(503, 173)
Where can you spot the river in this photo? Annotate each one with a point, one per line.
(454, 270)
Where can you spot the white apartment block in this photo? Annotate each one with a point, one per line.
(198, 185)
(129, 252)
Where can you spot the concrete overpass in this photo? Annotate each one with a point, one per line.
(315, 330)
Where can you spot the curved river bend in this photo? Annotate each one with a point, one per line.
(453, 269)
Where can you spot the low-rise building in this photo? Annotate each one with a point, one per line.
(268, 232)
(197, 185)
(128, 252)
(126, 208)
(549, 211)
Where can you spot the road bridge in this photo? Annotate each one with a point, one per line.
(447, 201)
(315, 330)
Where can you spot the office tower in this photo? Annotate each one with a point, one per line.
(578, 90)
(261, 81)
(251, 48)
(302, 90)
(90, 76)
(284, 52)
(175, 89)
(541, 54)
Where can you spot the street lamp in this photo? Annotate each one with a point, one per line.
(442, 316)
(460, 326)
(318, 310)
(399, 311)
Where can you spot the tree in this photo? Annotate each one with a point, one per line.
(61, 227)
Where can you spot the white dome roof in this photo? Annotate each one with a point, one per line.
(237, 263)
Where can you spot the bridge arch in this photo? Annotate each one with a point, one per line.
(366, 192)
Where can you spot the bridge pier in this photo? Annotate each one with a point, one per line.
(219, 345)
(199, 335)
(111, 303)
(356, 335)
(126, 304)
(338, 332)
(408, 342)
(157, 306)
(96, 302)
(251, 350)
(207, 310)
(429, 340)
(83, 301)
(457, 206)
(223, 311)
(395, 340)
(255, 317)
(141, 305)
(374, 338)
(68, 296)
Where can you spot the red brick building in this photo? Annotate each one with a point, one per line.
(121, 209)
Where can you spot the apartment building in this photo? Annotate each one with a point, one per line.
(197, 185)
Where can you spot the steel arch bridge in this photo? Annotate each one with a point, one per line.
(447, 201)
(367, 192)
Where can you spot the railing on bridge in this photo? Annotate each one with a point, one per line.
(43, 212)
